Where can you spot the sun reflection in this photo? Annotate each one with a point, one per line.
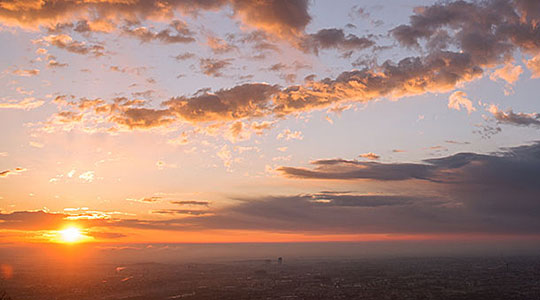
(71, 235)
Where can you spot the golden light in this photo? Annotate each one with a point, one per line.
(71, 235)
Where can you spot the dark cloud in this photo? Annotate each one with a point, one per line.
(247, 100)
(334, 38)
(143, 118)
(214, 67)
(461, 168)
(282, 18)
(517, 119)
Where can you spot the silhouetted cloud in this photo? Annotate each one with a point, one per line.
(336, 39)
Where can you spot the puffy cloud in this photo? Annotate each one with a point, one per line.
(243, 101)
(512, 118)
(143, 118)
(459, 99)
(534, 65)
(182, 34)
(437, 72)
(287, 135)
(66, 42)
(282, 18)
(370, 155)
(260, 127)
(480, 36)
(509, 73)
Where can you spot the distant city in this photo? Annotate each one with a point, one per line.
(282, 278)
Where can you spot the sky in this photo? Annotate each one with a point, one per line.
(222, 121)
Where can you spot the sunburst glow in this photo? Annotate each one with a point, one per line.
(71, 235)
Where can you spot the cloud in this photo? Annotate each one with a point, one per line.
(509, 73)
(25, 104)
(191, 202)
(55, 64)
(226, 156)
(152, 199)
(495, 193)
(66, 42)
(213, 67)
(533, 64)
(287, 135)
(15, 171)
(278, 17)
(143, 118)
(370, 155)
(459, 99)
(480, 37)
(184, 56)
(284, 18)
(334, 38)
(237, 131)
(462, 168)
(182, 34)
(26, 73)
(219, 46)
(243, 101)
(512, 118)
(87, 176)
(162, 165)
(352, 169)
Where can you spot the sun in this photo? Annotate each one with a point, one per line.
(71, 235)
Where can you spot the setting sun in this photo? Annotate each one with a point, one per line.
(71, 235)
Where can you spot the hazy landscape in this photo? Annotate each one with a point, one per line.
(466, 278)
